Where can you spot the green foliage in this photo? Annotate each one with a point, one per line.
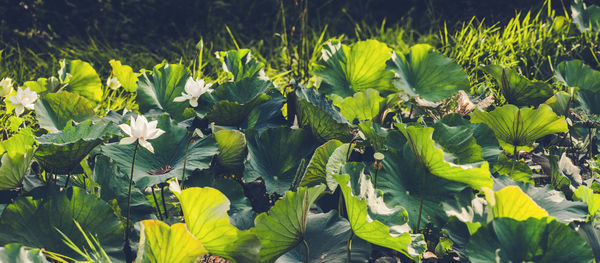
(160, 242)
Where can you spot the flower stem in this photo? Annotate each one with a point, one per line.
(421, 202)
(349, 249)
(127, 248)
(187, 147)
(307, 250)
(68, 178)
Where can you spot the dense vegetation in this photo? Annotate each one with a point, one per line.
(469, 141)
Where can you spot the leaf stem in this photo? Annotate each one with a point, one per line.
(162, 196)
(127, 248)
(68, 178)
(421, 201)
(157, 205)
(307, 250)
(349, 248)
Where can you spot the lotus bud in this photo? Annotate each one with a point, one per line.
(5, 87)
(113, 83)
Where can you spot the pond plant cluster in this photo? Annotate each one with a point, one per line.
(376, 156)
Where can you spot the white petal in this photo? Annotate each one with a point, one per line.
(30, 106)
(194, 102)
(126, 128)
(155, 134)
(180, 99)
(128, 140)
(147, 145)
(13, 100)
(152, 125)
(19, 110)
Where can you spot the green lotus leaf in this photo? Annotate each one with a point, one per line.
(517, 89)
(517, 128)
(374, 134)
(124, 75)
(590, 232)
(349, 69)
(517, 170)
(420, 141)
(467, 142)
(229, 113)
(43, 85)
(426, 73)
(336, 163)
(316, 170)
(232, 149)
(511, 202)
(587, 18)
(318, 114)
(169, 155)
(532, 240)
(402, 184)
(554, 202)
(363, 106)
(114, 185)
(158, 89)
(160, 242)
(241, 213)
(560, 102)
(55, 110)
(62, 151)
(35, 222)
(268, 114)
(574, 73)
(284, 226)
(17, 153)
(275, 155)
(371, 219)
(327, 237)
(240, 64)
(82, 79)
(17, 253)
(588, 196)
(205, 213)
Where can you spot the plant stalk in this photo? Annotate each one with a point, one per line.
(162, 196)
(421, 201)
(68, 178)
(157, 205)
(307, 250)
(127, 248)
(349, 249)
(187, 147)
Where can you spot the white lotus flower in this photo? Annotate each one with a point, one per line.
(113, 83)
(23, 99)
(142, 130)
(193, 90)
(5, 87)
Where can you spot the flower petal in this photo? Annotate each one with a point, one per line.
(127, 140)
(194, 102)
(126, 128)
(180, 99)
(19, 110)
(147, 145)
(155, 134)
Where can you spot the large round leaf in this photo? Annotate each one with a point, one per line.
(284, 226)
(124, 75)
(17, 154)
(114, 185)
(426, 73)
(517, 89)
(363, 106)
(169, 155)
(35, 222)
(534, 240)
(55, 110)
(81, 78)
(348, 69)
(466, 142)
(316, 170)
(371, 219)
(327, 237)
(232, 149)
(574, 73)
(587, 18)
(318, 114)
(205, 213)
(61, 152)
(232, 113)
(275, 155)
(517, 128)
(511, 202)
(159, 89)
(160, 242)
(17, 253)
